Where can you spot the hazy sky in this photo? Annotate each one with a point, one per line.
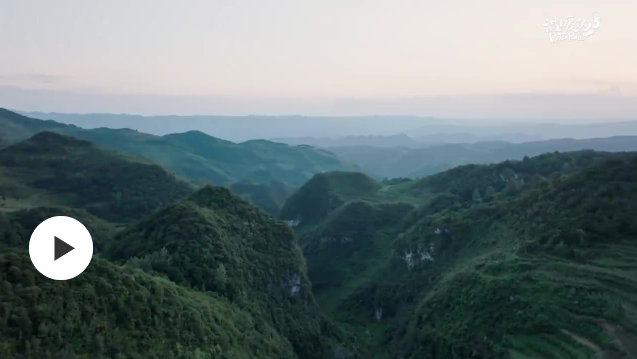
(317, 57)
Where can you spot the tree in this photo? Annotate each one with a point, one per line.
(489, 192)
(476, 196)
(221, 276)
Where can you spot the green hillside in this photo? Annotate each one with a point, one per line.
(112, 311)
(15, 127)
(53, 169)
(324, 193)
(208, 277)
(521, 259)
(546, 273)
(269, 196)
(16, 226)
(214, 241)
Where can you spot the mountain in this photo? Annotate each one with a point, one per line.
(400, 140)
(425, 130)
(510, 131)
(402, 162)
(15, 127)
(194, 155)
(214, 241)
(23, 222)
(112, 311)
(269, 196)
(244, 128)
(432, 139)
(210, 276)
(547, 272)
(324, 193)
(520, 259)
(50, 168)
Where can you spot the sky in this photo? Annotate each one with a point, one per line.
(478, 59)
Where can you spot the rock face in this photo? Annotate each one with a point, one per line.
(217, 242)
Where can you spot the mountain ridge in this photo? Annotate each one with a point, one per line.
(493, 261)
(196, 156)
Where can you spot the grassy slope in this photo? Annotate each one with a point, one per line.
(53, 169)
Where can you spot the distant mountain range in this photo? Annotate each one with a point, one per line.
(196, 156)
(524, 132)
(325, 131)
(418, 162)
(400, 140)
(243, 128)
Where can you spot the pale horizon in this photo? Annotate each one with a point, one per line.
(452, 60)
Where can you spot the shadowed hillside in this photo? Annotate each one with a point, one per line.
(53, 169)
(114, 311)
(520, 259)
(214, 241)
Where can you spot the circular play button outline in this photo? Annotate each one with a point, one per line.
(61, 248)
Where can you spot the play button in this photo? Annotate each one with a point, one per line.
(61, 248)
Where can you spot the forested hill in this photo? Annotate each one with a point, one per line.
(521, 259)
(216, 242)
(198, 157)
(207, 277)
(52, 169)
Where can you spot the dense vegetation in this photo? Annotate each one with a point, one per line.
(269, 196)
(51, 168)
(324, 193)
(522, 259)
(207, 277)
(112, 311)
(16, 226)
(216, 242)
